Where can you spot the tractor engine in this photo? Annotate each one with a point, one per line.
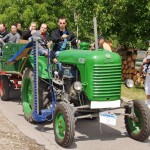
(90, 76)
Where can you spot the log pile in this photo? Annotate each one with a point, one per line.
(129, 71)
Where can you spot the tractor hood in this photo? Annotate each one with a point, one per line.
(100, 72)
(77, 57)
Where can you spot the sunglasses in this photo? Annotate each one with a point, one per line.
(62, 23)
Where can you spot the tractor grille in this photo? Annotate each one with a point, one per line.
(106, 81)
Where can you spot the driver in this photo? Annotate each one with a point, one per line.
(60, 37)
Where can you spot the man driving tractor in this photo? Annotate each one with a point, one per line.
(60, 37)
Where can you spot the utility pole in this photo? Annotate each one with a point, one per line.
(95, 33)
(76, 21)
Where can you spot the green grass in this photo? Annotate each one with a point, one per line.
(133, 93)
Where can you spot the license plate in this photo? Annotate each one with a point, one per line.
(108, 118)
(105, 104)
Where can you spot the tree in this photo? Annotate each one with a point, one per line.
(122, 21)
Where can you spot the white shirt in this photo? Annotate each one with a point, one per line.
(106, 47)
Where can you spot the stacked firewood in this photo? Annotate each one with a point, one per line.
(139, 80)
(129, 71)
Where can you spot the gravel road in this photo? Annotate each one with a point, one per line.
(12, 139)
(16, 133)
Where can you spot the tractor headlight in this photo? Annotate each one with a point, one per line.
(129, 83)
(77, 86)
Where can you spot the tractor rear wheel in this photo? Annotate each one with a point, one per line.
(4, 87)
(27, 93)
(138, 127)
(64, 124)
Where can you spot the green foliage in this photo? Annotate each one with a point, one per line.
(122, 21)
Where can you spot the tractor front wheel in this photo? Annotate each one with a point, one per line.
(138, 127)
(64, 124)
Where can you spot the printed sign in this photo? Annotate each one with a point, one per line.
(107, 118)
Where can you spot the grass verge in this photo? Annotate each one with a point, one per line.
(133, 93)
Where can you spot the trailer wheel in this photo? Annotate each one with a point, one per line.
(4, 87)
(27, 94)
(138, 128)
(64, 124)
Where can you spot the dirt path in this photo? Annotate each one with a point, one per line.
(12, 139)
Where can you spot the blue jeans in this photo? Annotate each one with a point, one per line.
(59, 64)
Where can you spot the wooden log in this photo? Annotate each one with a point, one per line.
(124, 57)
(131, 64)
(136, 83)
(129, 58)
(139, 79)
(124, 76)
(142, 83)
(123, 66)
(134, 56)
(124, 71)
(138, 74)
(129, 76)
(134, 71)
(130, 70)
(127, 71)
(126, 67)
(134, 78)
(124, 62)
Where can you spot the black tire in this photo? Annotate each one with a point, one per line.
(14, 93)
(69, 120)
(138, 130)
(5, 87)
(27, 104)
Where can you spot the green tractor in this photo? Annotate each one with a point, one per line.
(88, 84)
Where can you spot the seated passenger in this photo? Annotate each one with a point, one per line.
(103, 44)
(43, 40)
(26, 34)
(12, 37)
(19, 31)
(3, 32)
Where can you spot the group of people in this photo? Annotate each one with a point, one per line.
(59, 36)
